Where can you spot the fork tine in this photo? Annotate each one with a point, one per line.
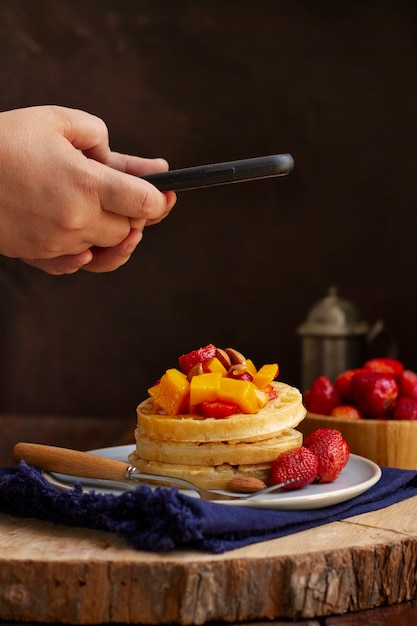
(272, 488)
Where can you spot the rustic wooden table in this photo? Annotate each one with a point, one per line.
(359, 571)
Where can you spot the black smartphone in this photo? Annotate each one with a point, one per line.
(222, 173)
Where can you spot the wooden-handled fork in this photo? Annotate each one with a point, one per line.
(88, 465)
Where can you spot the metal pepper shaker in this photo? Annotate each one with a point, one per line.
(333, 338)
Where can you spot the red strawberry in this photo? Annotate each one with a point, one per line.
(405, 409)
(322, 396)
(408, 384)
(374, 393)
(189, 360)
(343, 384)
(347, 412)
(271, 392)
(385, 365)
(331, 450)
(217, 409)
(296, 463)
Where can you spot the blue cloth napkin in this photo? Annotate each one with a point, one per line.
(163, 519)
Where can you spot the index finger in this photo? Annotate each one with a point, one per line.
(136, 165)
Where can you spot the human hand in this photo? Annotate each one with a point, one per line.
(66, 200)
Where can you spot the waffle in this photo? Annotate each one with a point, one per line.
(210, 452)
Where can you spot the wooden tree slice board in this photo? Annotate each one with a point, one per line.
(54, 573)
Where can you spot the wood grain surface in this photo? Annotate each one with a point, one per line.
(70, 575)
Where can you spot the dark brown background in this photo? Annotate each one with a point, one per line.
(334, 83)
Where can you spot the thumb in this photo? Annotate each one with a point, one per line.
(129, 196)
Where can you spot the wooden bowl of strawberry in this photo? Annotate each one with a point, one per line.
(373, 406)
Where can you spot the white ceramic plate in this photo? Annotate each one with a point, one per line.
(356, 478)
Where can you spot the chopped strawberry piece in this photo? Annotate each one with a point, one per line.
(331, 450)
(296, 463)
(270, 392)
(190, 359)
(218, 409)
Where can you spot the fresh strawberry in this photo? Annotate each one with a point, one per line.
(347, 412)
(322, 396)
(217, 409)
(374, 393)
(343, 384)
(408, 384)
(405, 409)
(385, 365)
(189, 360)
(296, 463)
(331, 450)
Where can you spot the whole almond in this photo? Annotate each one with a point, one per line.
(246, 484)
(235, 356)
(223, 357)
(195, 371)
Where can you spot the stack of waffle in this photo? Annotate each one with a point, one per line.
(211, 452)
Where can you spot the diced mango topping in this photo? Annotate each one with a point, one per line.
(214, 365)
(205, 388)
(261, 397)
(265, 375)
(219, 381)
(241, 392)
(250, 366)
(172, 392)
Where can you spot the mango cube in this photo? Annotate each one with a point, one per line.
(265, 375)
(241, 392)
(204, 388)
(214, 365)
(153, 392)
(250, 366)
(172, 392)
(261, 397)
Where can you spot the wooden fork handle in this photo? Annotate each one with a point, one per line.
(69, 462)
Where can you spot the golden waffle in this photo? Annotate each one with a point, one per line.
(279, 415)
(210, 452)
(217, 453)
(208, 477)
